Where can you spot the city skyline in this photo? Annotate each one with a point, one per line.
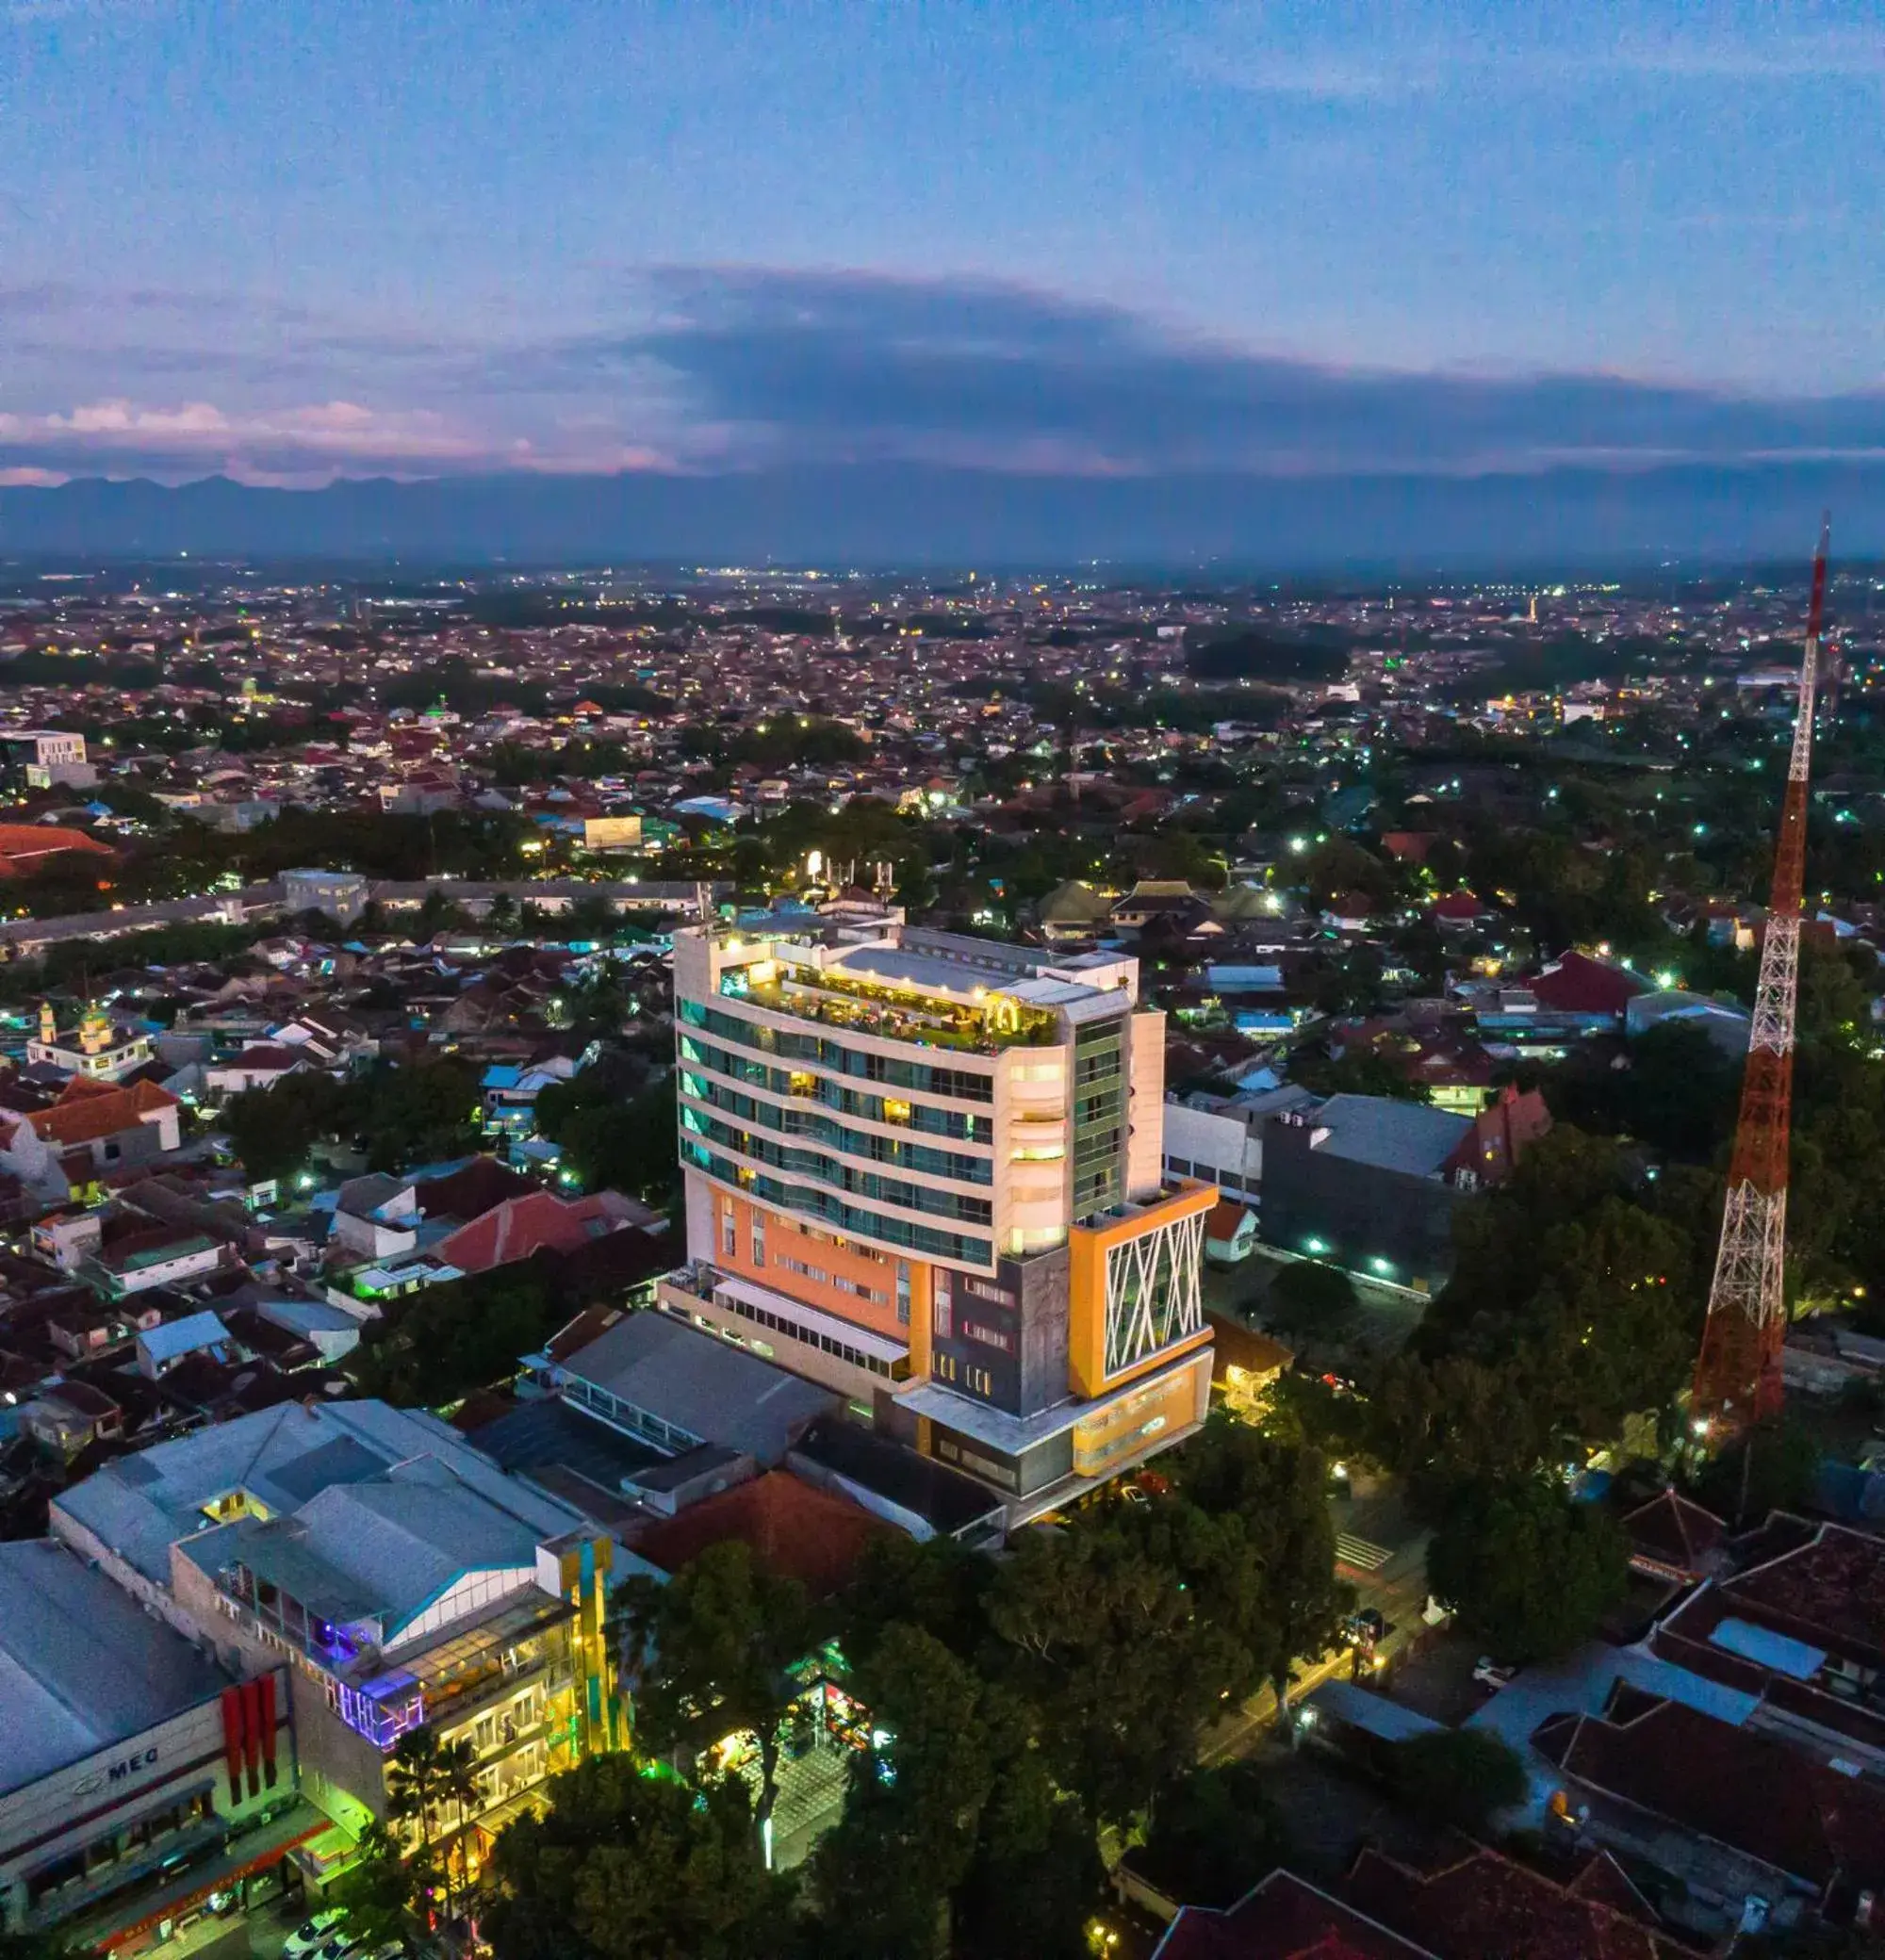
(1059, 244)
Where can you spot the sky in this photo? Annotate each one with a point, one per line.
(290, 239)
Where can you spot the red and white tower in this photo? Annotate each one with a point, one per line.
(1738, 1375)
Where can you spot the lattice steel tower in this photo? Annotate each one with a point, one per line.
(1738, 1375)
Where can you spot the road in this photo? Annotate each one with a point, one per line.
(27, 935)
(1383, 1554)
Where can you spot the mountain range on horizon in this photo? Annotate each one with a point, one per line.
(874, 515)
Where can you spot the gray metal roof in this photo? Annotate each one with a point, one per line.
(140, 1506)
(381, 1550)
(916, 970)
(1360, 1708)
(700, 1383)
(174, 1338)
(82, 1666)
(1391, 1134)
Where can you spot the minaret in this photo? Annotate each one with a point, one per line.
(48, 1025)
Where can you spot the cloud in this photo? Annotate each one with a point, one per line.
(1385, 61)
(314, 440)
(30, 13)
(708, 369)
(842, 367)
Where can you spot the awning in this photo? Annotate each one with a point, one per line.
(125, 1919)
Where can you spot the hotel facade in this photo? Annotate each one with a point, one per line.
(928, 1171)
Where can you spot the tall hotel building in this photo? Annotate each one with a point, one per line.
(926, 1170)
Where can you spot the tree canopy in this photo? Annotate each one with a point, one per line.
(1527, 1572)
(628, 1866)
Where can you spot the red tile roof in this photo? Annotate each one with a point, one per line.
(536, 1222)
(267, 1054)
(1674, 1533)
(1830, 1593)
(1486, 1907)
(1285, 1917)
(24, 846)
(793, 1529)
(88, 1110)
(1579, 985)
(1736, 1786)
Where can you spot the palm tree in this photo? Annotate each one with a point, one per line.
(424, 1777)
(458, 1786)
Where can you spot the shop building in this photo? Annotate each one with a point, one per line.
(927, 1171)
(141, 1784)
(396, 1575)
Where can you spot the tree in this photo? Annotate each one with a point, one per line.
(711, 1651)
(1572, 1307)
(448, 1339)
(380, 1888)
(911, 1824)
(426, 1779)
(1339, 866)
(1309, 1297)
(1526, 1571)
(626, 1865)
(1458, 1777)
(1213, 1835)
(1773, 1466)
(626, 1145)
(1101, 1638)
(938, 1585)
(424, 1113)
(273, 1131)
(1036, 1873)
(1276, 1492)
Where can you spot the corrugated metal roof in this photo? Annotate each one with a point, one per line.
(701, 1384)
(82, 1667)
(1391, 1134)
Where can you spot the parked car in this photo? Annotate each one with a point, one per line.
(310, 1937)
(1365, 1629)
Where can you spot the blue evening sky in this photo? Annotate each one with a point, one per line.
(291, 237)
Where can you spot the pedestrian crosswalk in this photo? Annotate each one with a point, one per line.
(1362, 1554)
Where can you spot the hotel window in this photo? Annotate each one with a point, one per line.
(758, 1239)
(942, 1314)
(728, 1238)
(903, 1293)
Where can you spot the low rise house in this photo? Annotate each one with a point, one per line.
(259, 1066)
(97, 1126)
(1728, 1811)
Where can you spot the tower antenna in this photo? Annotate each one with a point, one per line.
(1738, 1374)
